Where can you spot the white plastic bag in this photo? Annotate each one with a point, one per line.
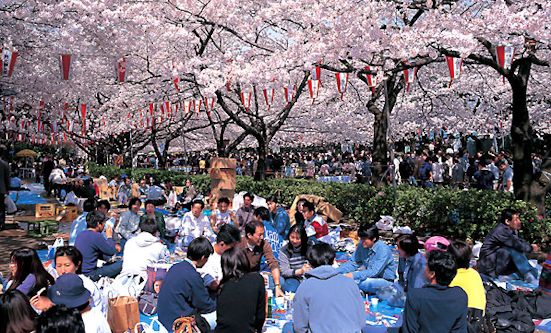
(71, 198)
(11, 208)
(130, 284)
(59, 242)
(385, 223)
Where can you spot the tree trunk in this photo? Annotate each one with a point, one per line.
(262, 150)
(522, 141)
(380, 144)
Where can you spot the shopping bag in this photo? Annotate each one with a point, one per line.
(123, 313)
(129, 284)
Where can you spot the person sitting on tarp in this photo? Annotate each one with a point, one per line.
(278, 217)
(15, 182)
(271, 235)
(144, 249)
(314, 224)
(158, 217)
(504, 252)
(372, 265)
(79, 224)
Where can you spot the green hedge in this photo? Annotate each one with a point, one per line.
(462, 214)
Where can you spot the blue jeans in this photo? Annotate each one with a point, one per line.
(372, 285)
(522, 264)
(290, 285)
(109, 270)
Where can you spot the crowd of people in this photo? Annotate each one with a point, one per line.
(219, 281)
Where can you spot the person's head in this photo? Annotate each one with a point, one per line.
(157, 286)
(69, 290)
(197, 207)
(89, 205)
(297, 238)
(441, 268)
(149, 207)
(502, 164)
(188, 182)
(308, 210)
(143, 182)
(321, 254)
(25, 261)
(369, 234)
(127, 181)
(104, 206)
(223, 204)
(234, 264)
(511, 218)
(462, 253)
(272, 203)
(254, 232)
(68, 259)
(408, 246)
(134, 204)
(149, 225)
(96, 220)
(248, 199)
(199, 251)
(227, 237)
(262, 214)
(58, 319)
(16, 313)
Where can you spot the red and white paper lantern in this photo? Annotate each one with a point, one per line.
(7, 62)
(246, 97)
(121, 67)
(409, 75)
(505, 55)
(342, 83)
(455, 66)
(269, 94)
(314, 88)
(65, 61)
(83, 113)
(289, 92)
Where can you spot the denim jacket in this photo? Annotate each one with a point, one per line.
(411, 271)
(376, 262)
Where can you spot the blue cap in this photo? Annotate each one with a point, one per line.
(69, 290)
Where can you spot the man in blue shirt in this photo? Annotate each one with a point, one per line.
(183, 292)
(79, 224)
(278, 217)
(372, 265)
(436, 307)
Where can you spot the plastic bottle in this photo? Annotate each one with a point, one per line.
(270, 304)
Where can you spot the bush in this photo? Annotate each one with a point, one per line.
(461, 214)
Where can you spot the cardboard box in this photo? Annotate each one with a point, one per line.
(45, 210)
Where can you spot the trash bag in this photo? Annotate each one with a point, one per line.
(394, 295)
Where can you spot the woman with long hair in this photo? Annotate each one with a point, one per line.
(16, 314)
(60, 319)
(27, 274)
(292, 258)
(241, 305)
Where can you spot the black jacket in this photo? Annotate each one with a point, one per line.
(495, 258)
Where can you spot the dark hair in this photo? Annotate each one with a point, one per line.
(149, 202)
(16, 313)
(133, 201)
(249, 195)
(310, 206)
(228, 234)
(224, 200)
(72, 253)
(321, 254)
(95, 218)
(507, 214)
(409, 244)
(234, 264)
(299, 229)
(263, 213)
(198, 248)
(271, 198)
(27, 262)
(89, 205)
(462, 252)
(443, 265)
(250, 227)
(198, 201)
(60, 319)
(104, 203)
(369, 231)
(148, 224)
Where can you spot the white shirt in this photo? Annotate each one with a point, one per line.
(196, 226)
(142, 251)
(213, 267)
(95, 322)
(97, 302)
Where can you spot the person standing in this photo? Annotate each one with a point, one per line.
(4, 186)
(241, 305)
(47, 166)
